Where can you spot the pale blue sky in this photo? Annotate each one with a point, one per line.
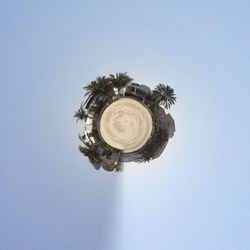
(196, 196)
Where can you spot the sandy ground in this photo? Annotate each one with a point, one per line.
(126, 124)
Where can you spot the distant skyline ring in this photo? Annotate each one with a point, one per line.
(126, 125)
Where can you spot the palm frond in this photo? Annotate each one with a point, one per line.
(100, 87)
(165, 94)
(80, 114)
(120, 80)
(92, 155)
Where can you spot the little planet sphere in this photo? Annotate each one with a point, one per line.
(124, 121)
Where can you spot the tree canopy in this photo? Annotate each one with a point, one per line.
(164, 94)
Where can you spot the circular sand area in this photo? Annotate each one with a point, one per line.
(126, 124)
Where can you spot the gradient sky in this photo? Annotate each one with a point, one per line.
(196, 196)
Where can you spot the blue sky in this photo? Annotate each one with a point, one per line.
(196, 196)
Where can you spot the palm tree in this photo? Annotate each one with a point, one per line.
(100, 87)
(147, 154)
(80, 114)
(120, 80)
(165, 95)
(99, 105)
(152, 101)
(93, 156)
(154, 145)
(109, 151)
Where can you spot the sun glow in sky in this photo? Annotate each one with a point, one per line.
(195, 196)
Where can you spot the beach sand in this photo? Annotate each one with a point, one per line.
(126, 124)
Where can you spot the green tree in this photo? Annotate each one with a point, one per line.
(165, 95)
(109, 151)
(93, 156)
(152, 101)
(146, 153)
(100, 87)
(99, 105)
(120, 80)
(154, 145)
(80, 114)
